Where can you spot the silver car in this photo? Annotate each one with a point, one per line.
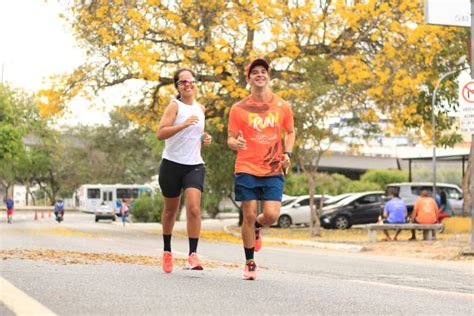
(296, 210)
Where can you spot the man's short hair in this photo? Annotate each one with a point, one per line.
(393, 192)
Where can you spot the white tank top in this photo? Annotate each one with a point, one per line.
(184, 147)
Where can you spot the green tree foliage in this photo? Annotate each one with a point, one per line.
(384, 177)
(147, 209)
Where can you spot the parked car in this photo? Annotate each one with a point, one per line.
(336, 199)
(358, 208)
(104, 211)
(410, 191)
(296, 210)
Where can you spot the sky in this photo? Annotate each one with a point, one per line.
(35, 43)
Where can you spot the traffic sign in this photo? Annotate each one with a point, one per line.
(466, 105)
(448, 12)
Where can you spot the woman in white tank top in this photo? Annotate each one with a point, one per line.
(182, 168)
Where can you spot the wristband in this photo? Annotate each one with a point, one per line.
(289, 154)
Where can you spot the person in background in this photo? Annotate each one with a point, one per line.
(395, 212)
(59, 210)
(124, 212)
(10, 208)
(445, 210)
(425, 211)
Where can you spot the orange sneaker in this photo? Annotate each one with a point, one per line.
(167, 262)
(250, 270)
(193, 262)
(258, 240)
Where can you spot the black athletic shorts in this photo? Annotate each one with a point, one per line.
(175, 177)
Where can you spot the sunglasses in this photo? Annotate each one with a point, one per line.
(186, 82)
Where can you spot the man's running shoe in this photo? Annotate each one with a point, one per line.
(193, 262)
(167, 263)
(258, 240)
(250, 270)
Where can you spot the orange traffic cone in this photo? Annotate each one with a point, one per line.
(42, 214)
(36, 215)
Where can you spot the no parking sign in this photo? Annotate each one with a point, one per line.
(466, 105)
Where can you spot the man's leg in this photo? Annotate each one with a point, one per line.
(396, 234)
(413, 235)
(271, 210)
(249, 210)
(387, 236)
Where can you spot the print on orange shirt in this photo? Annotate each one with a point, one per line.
(261, 125)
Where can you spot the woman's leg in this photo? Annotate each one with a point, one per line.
(193, 212)
(168, 217)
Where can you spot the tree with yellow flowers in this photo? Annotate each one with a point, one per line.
(382, 59)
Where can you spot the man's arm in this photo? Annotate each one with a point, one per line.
(290, 137)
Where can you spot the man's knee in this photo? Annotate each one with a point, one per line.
(268, 218)
(249, 218)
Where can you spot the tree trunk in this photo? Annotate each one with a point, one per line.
(315, 224)
(26, 194)
(466, 188)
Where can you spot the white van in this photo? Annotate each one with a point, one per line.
(410, 191)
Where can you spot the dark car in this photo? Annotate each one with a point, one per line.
(358, 208)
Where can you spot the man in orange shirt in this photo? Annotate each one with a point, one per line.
(425, 211)
(256, 126)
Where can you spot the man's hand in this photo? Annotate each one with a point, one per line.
(241, 143)
(286, 163)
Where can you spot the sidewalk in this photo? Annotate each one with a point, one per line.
(298, 242)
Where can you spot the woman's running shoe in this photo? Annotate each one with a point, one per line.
(167, 262)
(193, 262)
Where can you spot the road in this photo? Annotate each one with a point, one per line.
(80, 267)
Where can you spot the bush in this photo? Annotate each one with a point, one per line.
(384, 177)
(147, 209)
(362, 186)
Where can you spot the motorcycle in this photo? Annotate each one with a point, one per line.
(59, 216)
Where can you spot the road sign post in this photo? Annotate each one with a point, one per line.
(459, 13)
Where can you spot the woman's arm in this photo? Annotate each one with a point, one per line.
(166, 128)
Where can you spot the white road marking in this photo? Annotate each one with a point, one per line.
(419, 289)
(19, 302)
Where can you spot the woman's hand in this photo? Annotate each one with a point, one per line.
(206, 139)
(192, 120)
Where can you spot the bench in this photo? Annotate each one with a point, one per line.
(429, 230)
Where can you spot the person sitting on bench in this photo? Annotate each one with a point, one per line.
(425, 211)
(395, 212)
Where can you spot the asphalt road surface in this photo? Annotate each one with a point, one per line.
(80, 267)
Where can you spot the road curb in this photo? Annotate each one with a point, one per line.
(305, 243)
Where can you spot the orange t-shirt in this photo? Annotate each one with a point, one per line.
(425, 209)
(261, 124)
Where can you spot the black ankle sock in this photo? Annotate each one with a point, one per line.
(193, 244)
(258, 225)
(167, 243)
(249, 253)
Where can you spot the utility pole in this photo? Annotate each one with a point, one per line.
(472, 136)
